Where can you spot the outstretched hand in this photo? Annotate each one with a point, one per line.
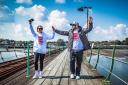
(53, 28)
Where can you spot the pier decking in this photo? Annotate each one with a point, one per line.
(57, 72)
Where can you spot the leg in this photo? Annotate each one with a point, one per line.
(72, 63)
(41, 61)
(79, 59)
(36, 56)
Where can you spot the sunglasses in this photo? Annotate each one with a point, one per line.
(39, 28)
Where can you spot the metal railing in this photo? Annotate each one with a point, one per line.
(107, 80)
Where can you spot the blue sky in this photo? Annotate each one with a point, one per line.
(110, 17)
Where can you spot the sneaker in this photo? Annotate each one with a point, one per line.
(35, 75)
(77, 77)
(40, 74)
(72, 76)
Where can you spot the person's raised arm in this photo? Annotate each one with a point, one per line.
(66, 33)
(31, 28)
(89, 26)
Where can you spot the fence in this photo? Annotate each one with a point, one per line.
(110, 71)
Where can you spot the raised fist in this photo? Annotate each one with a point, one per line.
(30, 21)
(90, 19)
(53, 28)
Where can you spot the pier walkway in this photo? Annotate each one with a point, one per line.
(57, 72)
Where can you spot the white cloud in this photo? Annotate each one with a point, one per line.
(21, 10)
(20, 30)
(24, 1)
(118, 31)
(36, 12)
(58, 19)
(60, 1)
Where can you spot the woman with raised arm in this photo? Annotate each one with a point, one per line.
(39, 47)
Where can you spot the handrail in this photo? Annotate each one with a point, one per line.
(97, 58)
(107, 80)
(113, 74)
(91, 52)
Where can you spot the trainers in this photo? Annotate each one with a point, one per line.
(35, 75)
(40, 74)
(77, 77)
(72, 76)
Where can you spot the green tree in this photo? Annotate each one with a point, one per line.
(126, 40)
(60, 42)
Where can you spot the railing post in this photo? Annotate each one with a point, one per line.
(1, 56)
(97, 58)
(91, 52)
(15, 52)
(28, 61)
(107, 80)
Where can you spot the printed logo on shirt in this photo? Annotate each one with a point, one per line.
(75, 36)
(40, 40)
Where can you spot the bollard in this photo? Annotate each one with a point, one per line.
(28, 61)
(107, 80)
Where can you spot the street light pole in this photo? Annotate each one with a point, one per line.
(82, 9)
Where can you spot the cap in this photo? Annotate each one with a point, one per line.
(74, 23)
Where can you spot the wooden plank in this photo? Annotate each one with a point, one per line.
(81, 81)
(85, 75)
(72, 81)
(59, 72)
(47, 69)
(65, 80)
(54, 70)
(93, 74)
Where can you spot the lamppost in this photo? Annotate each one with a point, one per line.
(81, 9)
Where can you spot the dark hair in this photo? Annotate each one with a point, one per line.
(39, 27)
